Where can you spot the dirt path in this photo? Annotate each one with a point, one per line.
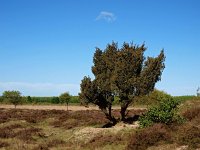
(50, 107)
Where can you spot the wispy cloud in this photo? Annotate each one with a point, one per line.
(107, 16)
(40, 89)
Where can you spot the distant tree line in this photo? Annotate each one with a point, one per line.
(15, 98)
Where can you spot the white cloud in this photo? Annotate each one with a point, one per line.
(40, 89)
(107, 16)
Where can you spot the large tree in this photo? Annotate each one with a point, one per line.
(123, 72)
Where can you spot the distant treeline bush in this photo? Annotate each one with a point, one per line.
(44, 100)
(53, 100)
(184, 98)
(156, 96)
(153, 98)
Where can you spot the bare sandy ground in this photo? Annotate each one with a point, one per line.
(57, 107)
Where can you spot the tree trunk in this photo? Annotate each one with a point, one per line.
(67, 106)
(123, 111)
(109, 115)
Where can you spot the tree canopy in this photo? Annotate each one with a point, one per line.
(124, 72)
(65, 98)
(13, 97)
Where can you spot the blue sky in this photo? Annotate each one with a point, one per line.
(46, 46)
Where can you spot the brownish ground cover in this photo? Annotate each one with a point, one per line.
(44, 129)
(22, 129)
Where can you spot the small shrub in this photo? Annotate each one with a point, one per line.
(164, 112)
(150, 136)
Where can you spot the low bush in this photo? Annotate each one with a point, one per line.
(164, 112)
(149, 136)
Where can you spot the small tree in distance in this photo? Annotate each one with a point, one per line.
(124, 73)
(13, 97)
(65, 98)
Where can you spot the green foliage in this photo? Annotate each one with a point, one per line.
(184, 98)
(49, 100)
(124, 73)
(1, 99)
(64, 98)
(152, 98)
(55, 100)
(164, 112)
(29, 99)
(13, 97)
(74, 99)
(41, 99)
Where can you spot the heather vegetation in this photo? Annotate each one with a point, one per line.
(59, 129)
